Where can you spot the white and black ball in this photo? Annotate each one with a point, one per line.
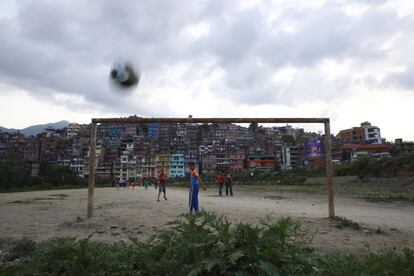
(124, 75)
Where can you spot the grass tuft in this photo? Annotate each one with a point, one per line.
(342, 222)
(59, 195)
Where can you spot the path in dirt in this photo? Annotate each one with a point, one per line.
(125, 213)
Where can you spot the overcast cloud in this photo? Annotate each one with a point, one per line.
(348, 60)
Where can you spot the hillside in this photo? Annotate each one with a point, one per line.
(36, 129)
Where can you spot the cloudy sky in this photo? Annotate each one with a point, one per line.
(350, 60)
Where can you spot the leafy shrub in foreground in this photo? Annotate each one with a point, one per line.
(205, 244)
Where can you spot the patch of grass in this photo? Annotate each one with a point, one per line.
(26, 201)
(107, 205)
(388, 262)
(366, 193)
(40, 188)
(274, 197)
(33, 200)
(380, 231)
(59, 195)
(206, 244)
(389, 198)
(317, 189)
(342, 222)
(51, 187)
(47, 198)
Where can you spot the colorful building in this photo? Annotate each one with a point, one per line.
(236, 160)
(148, 166)
(162, 162)
(209, 163)
(177, 165)
(153, 131)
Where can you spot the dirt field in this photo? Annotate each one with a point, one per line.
(125, 213)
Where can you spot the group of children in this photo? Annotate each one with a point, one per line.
(223, 178)
(159, 183)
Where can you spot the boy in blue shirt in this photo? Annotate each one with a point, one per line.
(195, 182)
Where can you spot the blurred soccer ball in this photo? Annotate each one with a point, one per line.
(124, 75)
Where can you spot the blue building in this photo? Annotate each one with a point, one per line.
(153, 131)
(177, 165)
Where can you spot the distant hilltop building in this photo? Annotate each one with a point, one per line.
(72, 130)
(366, 133)
(403, 147)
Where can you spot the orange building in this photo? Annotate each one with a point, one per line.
(261, 162)
(355, 134)
(236, 160)
(366, 133)
(353, 151)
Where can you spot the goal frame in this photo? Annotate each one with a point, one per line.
(190, 120)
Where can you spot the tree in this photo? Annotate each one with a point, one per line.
(261, 130)
(288, 139)
(253, 127)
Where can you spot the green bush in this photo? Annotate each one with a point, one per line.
(387, 263)
(290, 177)
(205, 244)
(16, 176)
(369, 166)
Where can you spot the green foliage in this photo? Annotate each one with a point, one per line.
(288, 139)
(16, 176)
(369, 166)
(290, 177)
(386, 263)
(253, 127)
(206, 244)
(19, 249)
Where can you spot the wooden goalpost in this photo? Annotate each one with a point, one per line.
(139, 120)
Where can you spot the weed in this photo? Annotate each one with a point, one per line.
(390, 198)
(380, 231)
(274, 197)
(26, 201)
(343, 222)
(59, 195)
(47, 198)
(33, 200)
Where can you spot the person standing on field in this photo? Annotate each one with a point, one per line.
(220, 181)
(228, 183)
(133, 184)
(195, 182)
(146, 182)
(161, 182)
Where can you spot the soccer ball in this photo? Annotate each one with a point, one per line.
(124, 75)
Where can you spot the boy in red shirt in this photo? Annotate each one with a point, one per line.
(220, 181)
(161, 181)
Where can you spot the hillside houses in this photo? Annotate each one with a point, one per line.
(143, 150)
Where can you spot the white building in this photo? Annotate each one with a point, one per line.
(290, 157)
(372, 133)
(72, 130)
(76, 165)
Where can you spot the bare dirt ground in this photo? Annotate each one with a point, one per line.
(42, 215)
